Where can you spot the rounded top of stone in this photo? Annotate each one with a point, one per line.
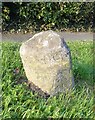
(45, 33)
(43, 41)
(45, 38)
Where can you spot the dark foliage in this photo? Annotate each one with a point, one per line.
(37, 16)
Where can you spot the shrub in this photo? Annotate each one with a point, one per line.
(48, 15)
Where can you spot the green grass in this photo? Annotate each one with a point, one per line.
(18, 102)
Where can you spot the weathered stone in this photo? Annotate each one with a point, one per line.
(47, 62)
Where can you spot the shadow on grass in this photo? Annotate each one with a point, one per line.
(83, 74)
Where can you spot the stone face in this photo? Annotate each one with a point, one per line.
(47, 62)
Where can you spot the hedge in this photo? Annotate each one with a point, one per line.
(38, 16)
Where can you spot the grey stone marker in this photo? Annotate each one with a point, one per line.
(47, 63)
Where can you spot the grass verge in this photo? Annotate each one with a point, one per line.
(18, 102)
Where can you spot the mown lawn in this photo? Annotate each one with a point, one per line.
(18, 102)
